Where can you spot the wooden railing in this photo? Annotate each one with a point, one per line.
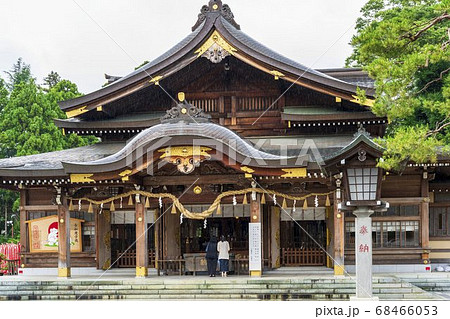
(241, 265)
(250, 104)
(171, 266)
(303, 257)
(207, 105)
(128, 259)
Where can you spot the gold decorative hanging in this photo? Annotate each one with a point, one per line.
(90, 209)
(130, 201)
(284, 206)
(327, 201)
(112, 208)
(245, 202)
(263, 198)
(305, 204)
(219, 210)
(70, 205)
(174, 210)
(147, 203)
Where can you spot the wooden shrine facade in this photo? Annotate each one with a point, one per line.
(217, 134)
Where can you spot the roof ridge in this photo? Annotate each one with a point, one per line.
(215, 7)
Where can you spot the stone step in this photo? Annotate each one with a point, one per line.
(316, 286)
(386, 288)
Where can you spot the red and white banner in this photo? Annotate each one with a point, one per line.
(11, 251)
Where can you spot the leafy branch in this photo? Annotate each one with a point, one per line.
(430, 24)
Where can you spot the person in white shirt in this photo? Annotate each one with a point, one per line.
(223, 247)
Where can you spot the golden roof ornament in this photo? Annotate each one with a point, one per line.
(185, 112)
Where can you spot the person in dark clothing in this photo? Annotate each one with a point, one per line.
(211, 256)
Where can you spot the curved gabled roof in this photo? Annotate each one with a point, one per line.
(193, 131)
(216, 17)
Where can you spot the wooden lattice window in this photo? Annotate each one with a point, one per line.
(440, 221)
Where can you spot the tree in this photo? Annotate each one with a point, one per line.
(52, 79)
(20, 73)
(3, 94)
(404, 46)
(26, 123)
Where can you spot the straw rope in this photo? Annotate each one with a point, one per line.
(211, 208)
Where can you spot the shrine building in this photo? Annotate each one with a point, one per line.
(223, 136)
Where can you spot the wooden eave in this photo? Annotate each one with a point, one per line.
(185, 55)
(306, 78)
(140, 79)
(93, 125)
(330, 117)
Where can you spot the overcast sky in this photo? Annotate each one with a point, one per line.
(61, 35)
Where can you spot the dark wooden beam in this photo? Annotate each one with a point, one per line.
(23, 218)
(191, 179)
(63, 240)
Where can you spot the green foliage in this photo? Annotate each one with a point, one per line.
(27, 112)
(3, 94)
(404, 46)
(52, 79)
(20, 73)
(27, 120)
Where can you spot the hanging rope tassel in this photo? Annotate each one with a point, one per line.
(174, 210)
(327, 202)
(284, 206)
(70, 205)
(130, 201)
(263, 199)
(219, 210)
(245, 202)
(147, 202)
(112, 208)
(305, 204)
(90, 209)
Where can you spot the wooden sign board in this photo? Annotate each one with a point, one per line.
(255, 254)
(43, 234)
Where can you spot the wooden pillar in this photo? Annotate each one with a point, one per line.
(339, 238)
(233, 110)
(171, 233)
(329, 217)
(157, 226)
(425, 214)
(255, 249)
(103, 242)
(63, 239)
(141, 242)
(275, 236)
(23, 218)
